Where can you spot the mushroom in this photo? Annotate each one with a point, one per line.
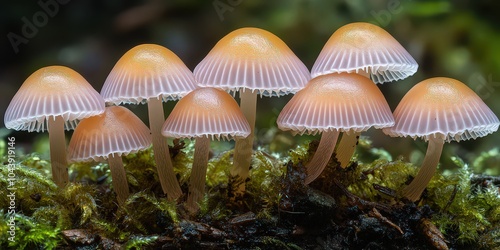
(368, 50)
(203, 114)
(53, 98)
(151, 73)
(109, 136)
(251, 61)
(330, 104)
(439, 110)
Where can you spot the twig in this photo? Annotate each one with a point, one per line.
(359, 201)
(452, 198)
(432, 234)
(481, 179)
(375, 213)
(385, 190)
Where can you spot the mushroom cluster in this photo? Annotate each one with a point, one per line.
(339, 98)
(152, 74)
(253, 62)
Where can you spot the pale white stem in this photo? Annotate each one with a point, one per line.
(429, 166)
(346, 147)
(244, 147)
(322, 155)
(166, 174)
(198, 174)
(119, 178)
(58, 156)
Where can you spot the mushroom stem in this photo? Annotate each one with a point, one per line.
(348, 142)
(58, 157)
(244, 147)
(429, 166)
(166, 174)
(322, 155)
(346, 147)
(119, 178)
(198, 173)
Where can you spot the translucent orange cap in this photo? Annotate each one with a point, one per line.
(254, 59)
(49, 92)
(444, 108)
(364, 46)
(343, 102)
(147, 71)
(116, 131)
(206, 112)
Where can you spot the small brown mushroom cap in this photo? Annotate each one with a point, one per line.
(364, 46)
(445, 108)
(206, 112)
(342, 102)
(147, 71)
(117, 131)
(254, 59)
(49, 92)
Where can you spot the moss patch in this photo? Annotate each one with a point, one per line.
(355, 207)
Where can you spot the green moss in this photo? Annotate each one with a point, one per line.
(266, 173)
(139, 242)
(218, 170)
(110, 229)
(391, 175)
(183, 159)
(88, 171)
(142, 208)
(300, 154)
(31, 233)
(271, 242)
(469, 210)
(466, 211)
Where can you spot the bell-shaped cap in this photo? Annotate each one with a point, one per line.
(364, 46)
(49, 92)
(344, 102)
(206, 112)
(253, 59)
(117, 131)
(444, 108)
(147, 71)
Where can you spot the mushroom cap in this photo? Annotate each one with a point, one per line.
(49, 92)
(116, 131)
(364, 46)
(442, 108)
(206, 112)
(254, 59)
(344, 102)
(147, 71)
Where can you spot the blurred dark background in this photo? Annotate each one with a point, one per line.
(458, 39)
